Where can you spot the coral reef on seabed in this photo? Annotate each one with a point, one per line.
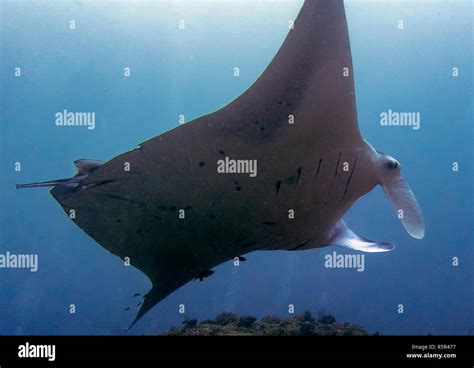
(234, 324)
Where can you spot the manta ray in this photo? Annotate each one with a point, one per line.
(167, 208)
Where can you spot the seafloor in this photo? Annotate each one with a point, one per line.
(234, 324)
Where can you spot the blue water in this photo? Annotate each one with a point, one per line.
(190, 72)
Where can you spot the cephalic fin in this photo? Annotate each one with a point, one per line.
(403, 199)
(345, 237)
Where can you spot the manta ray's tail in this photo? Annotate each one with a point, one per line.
(50, 183)
(84, 168)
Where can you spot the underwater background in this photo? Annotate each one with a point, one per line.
(191, 72)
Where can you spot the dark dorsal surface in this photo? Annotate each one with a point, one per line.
(136, 213)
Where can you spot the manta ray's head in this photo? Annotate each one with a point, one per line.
(399, 193)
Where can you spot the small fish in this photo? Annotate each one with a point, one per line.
(127, 309)
(137, 294)
(204, 274)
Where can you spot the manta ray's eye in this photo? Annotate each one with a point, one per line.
(392, 164)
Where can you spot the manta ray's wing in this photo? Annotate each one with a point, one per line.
(311, 78)
(164, 207)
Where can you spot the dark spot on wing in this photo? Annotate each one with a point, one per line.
(319, 166)
(333, 177)
(298, 176)
(337, 164)
(201, 164)
(118, 221)
(238, 188)
(277, 187)
(262, 129)
(280, 102)
(349, 180)
(139, 231)
(222, 152)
